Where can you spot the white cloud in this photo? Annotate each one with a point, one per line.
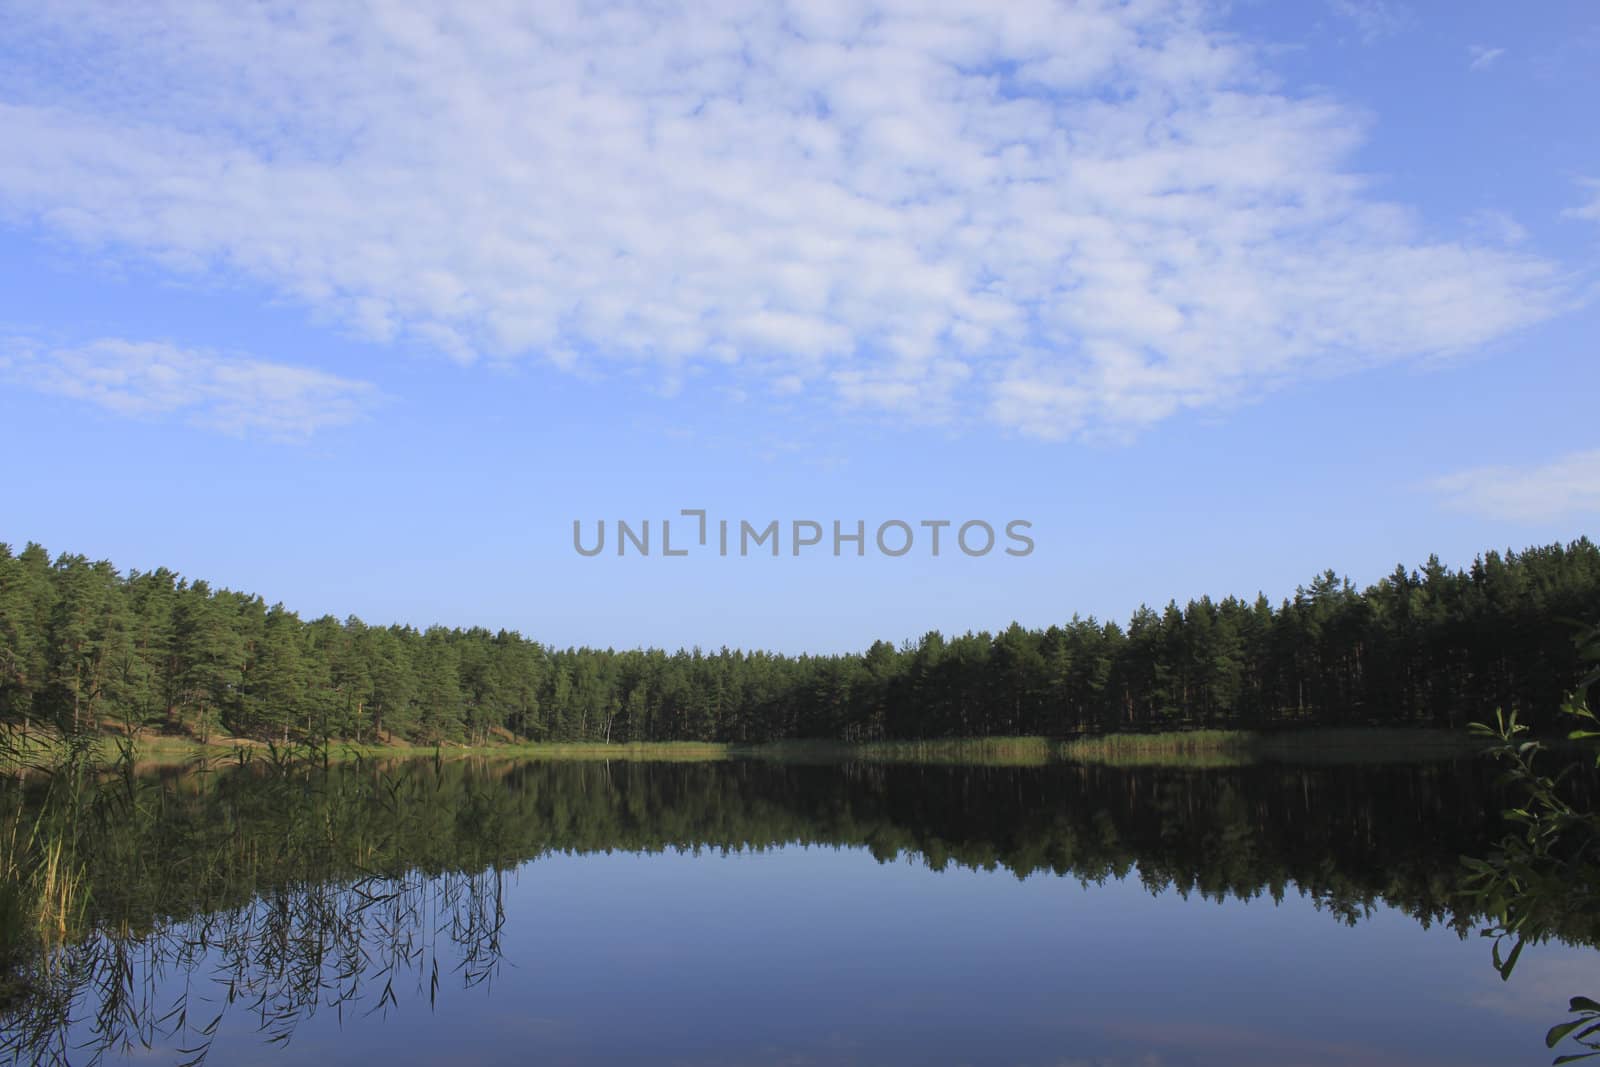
(1589, 212)
(1497, 226)
(1060, 218)
(1373, 19)
(1481, 57)
(151, 379)
(1567, 486)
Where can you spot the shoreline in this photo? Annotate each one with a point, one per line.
(1184, 748)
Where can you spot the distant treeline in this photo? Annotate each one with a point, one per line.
(82, 645)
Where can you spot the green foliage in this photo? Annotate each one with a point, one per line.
(1582, 1029)
(1546, 868)
(82, 647)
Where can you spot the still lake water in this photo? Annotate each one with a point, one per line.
(751, 912)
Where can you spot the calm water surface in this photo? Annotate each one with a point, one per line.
(751, 912)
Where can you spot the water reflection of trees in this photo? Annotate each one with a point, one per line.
(304, 890)
(272, 890)
(278, 960)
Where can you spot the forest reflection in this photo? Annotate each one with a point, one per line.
(283, 891)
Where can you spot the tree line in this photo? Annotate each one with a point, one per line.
(83, 645)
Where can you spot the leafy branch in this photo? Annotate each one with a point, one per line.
(1543, 870)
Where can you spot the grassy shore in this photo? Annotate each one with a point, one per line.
(1223, 748)
(676, 751)
(1000, 751)
(152, 751)
(1179, 748)
(1189, 748)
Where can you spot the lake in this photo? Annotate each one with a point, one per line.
(762, 912)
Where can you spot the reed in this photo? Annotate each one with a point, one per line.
(59, 897)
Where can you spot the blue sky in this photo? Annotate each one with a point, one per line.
(360, 310)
